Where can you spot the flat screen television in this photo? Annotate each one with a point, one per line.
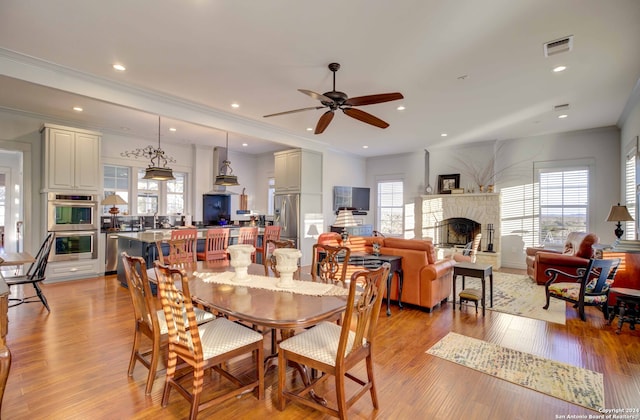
(356, 198)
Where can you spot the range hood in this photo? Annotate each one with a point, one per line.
(219, 155)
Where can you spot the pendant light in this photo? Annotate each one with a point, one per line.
(157, 169)
(226, 177)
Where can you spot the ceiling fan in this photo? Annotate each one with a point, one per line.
(339, 100)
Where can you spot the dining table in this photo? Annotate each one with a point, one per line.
(15, 259)
(286, 310)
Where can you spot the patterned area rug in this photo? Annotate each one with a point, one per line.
(519, 295)
(573, 384)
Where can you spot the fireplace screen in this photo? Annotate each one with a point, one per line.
(456, 231)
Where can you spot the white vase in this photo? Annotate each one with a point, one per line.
(286, 264)
(240, 260)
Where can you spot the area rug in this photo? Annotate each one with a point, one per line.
(519, 295)
(569, 383)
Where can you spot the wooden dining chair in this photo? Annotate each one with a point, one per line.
(329, 264)
(270, 233)
(335, 349)
(178, 251)
(149, 321)
(191, 239)
(215, 245)
(210, 346)
(35, 275)
(249, 236)
(269, 259)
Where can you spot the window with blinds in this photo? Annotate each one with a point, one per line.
(563, 202)
(630, 193)
(390, 213)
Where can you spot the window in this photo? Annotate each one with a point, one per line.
(390, 213)
(563, 201)
(148, 193)
(176, 194)
(630, 193)
(116, 181)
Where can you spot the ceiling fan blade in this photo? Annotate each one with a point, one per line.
(373, 99)
(323, 122)
(315, 95)
(293, 111)
(365, 117)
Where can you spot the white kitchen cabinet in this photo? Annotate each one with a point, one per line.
(71, 270)
(71, 159)
(298, 171)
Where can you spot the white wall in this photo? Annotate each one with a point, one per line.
(340, 169)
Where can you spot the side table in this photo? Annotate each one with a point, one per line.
(374, 261)
(481, 271)
(627, 307)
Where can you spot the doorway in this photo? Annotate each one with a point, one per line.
(11, 201)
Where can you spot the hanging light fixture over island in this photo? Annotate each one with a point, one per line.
(157, 169)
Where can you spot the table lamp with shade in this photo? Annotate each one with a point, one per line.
(344, 220)
(619, 214)
(113, 200)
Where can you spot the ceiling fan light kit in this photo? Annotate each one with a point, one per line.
(335, 100)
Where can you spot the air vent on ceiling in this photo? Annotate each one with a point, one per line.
(558, 46)
(562, 107)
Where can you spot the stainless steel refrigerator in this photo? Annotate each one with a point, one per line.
(287, 215)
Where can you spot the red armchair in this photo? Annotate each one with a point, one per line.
(578, 249)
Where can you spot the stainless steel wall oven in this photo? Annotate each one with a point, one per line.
(67, 212)
(74, 245)
(73, 219)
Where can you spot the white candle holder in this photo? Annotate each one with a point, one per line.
(240, 260)
(286, 264)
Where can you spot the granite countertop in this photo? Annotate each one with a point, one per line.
(153, 235)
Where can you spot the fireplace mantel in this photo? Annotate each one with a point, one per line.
(483, 208)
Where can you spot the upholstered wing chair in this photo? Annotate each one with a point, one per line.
(578, 249)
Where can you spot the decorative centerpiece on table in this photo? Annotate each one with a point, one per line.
(240, 260)
(287, 264)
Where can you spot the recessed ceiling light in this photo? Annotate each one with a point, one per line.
(563, 116)
(172, 129)
(401, 108)
(443, 135)
(119, 67)
(365, 147)
(309, 129)
(78, 108)
(559, 69)
(245, 144)
(235, 105)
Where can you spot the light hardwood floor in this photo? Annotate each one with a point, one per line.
(72, 364)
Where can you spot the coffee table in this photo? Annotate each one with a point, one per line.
(481, 271)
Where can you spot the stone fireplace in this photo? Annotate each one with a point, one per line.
(453, 219)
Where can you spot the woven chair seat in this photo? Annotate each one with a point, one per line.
(318, 343)
(471, 294)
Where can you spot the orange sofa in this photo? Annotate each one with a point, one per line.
(578, 249)
(426, 281)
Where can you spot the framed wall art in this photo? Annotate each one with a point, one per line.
(446, 183)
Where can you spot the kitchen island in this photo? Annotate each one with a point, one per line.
(143, 244)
